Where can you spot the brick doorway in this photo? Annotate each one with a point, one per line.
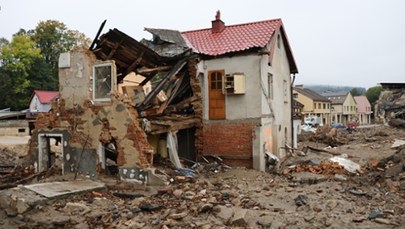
(50, 151)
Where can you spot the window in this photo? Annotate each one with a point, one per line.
(103, 81)
(319, 105)
(328, 106)
(324, 106)
(285, 91)
(270, 85)
(279, 41)
(295, 95)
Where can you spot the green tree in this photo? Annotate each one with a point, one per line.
(17, 58)
(373, 93)
(357, 91)
(53, 38)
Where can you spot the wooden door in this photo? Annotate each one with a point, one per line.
(216, 97)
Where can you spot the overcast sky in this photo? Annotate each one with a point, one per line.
(344, 42)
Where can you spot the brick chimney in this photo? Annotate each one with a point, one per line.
(217, 25)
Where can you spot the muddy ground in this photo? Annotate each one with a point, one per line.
(306, 191)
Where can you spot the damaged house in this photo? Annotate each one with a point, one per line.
(222, 91)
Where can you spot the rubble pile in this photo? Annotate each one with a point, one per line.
(311, 191)
(390, 107)
(389, 173)
(325, 168)
(328, 136)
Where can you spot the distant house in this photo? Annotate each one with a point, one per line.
(314, 104)
(343, 108)
(363, 110)
(41, 101)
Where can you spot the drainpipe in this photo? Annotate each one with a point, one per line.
(292, 112)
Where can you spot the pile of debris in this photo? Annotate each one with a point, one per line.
(329, 136)
(390, 107)
(390, 171)
(325, 168)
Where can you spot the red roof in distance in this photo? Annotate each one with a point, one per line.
(46, 96)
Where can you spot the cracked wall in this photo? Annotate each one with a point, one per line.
(91, 125)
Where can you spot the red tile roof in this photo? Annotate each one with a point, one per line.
(235, 38)
(46, 96)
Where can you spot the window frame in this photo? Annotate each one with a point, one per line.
(112, 79)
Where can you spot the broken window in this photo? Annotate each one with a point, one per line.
(103, 81)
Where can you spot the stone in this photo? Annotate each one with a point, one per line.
(61, 220)
(178, 216)
(340, 177)
(382, 221)
(177, 193)
(236, 202)
(301, 200)
(203, 192)
(239, 218)
(21, 206)
(265, 221)
(76, 208)
(309, 218)
(223, 212)
(205, 207)
(394, 170)
(392, 185)
(308, 178)
(277, 225)
(290, 189)
(189, 195)
(136, 225)
(359, 218)
(375, 214)
(331, 204)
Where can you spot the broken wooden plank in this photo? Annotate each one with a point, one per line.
(321, 150)
(163, 82)
(153, 70)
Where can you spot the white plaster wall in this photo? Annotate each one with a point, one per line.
(280, 103)
(237, 106)
(75, 81)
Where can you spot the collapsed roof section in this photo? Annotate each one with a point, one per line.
(168, 43)
(166, 60)
(132, 56)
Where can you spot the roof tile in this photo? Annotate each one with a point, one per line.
(233, 38)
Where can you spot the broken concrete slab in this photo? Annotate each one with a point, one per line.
(57, 189)
(397, 143)
(23, 198)
(19, 200)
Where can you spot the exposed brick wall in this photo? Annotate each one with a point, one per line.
(230, 140)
